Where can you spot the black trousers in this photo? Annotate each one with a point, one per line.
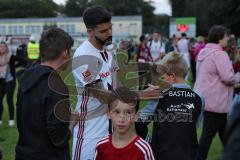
(8, 89)
(193, 68)
(212, 123)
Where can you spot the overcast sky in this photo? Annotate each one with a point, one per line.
(161, 6)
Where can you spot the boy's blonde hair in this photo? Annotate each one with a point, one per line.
(173, 62)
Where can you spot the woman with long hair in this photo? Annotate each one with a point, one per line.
(7, 80)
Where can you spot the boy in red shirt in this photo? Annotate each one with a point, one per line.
(123, 144)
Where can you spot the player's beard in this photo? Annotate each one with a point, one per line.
(106, 42)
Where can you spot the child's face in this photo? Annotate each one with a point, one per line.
(122, 116)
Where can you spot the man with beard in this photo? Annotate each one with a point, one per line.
(89, 130)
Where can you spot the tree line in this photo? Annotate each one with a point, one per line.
(208, 13)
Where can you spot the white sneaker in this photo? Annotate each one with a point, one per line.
(11, 123)
(1, 122)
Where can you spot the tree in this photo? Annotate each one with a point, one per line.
(47, 8)
(151, 22)
(60, 8)
(161, 25)
(27, 8)
(178, 7)
(230, 14)
(76, 7)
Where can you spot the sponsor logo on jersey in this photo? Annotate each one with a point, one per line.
(189, 106)
(86, 74)
(106, 74)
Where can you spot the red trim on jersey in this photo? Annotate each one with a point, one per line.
(82, 116)
(146, 148)
(143, 150)
(102, 140)
(105, 54)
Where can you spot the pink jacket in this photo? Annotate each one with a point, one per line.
(215, 78)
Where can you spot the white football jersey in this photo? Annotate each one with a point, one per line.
(94, 65)
(90, 64)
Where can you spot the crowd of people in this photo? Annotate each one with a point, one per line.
(102, 124)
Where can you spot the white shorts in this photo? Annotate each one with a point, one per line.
(84, 149)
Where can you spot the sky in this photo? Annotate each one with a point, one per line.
(161, 6)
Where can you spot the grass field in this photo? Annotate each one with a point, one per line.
(10, 135)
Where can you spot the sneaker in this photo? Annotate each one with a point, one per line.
(11, 123)
(1, 122)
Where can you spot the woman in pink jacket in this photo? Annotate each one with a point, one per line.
(215, 80)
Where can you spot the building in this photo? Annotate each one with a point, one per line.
(14, 30)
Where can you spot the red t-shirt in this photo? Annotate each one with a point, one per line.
(138, 149)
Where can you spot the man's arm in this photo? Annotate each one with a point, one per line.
(150, 93)
(146, 116)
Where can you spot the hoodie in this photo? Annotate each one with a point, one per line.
(215, 78)
(42, 134)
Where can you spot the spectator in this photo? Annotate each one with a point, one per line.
(156, 46)
(215, 80)
(170, 46)
(143, 57)
(192, 60)
(173, 129)
(43, 102)
(33, 50)
(7, 80)
(199, 46)
(183, 47)
(22, 51)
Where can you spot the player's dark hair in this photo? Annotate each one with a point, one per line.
(53, 42)
(95, 15)
(125, 95)
(216, 33)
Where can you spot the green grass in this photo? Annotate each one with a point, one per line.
(10, 135)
